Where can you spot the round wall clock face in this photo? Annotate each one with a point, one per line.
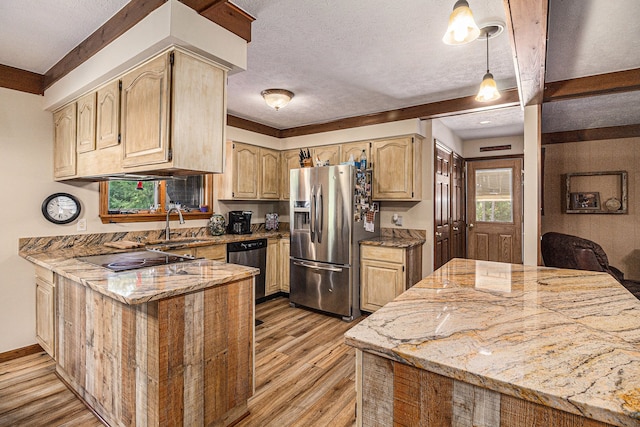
(61, 208)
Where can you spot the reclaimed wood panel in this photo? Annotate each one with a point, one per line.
(183, 360)
(396, 394)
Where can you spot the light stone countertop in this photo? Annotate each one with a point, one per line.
(144, 284)
(393, 242)
(567, 339)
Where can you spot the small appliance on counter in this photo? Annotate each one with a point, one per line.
(239, 222)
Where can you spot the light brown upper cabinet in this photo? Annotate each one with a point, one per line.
(64, 143)
(269, 185)
(251, 173)
(145, 113)
(86, 121)
(289, 159)
(166, 116)
(355, 149)
(396, 168)
(330, 153)
(107, 115)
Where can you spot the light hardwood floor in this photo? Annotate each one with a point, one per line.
(304, 377)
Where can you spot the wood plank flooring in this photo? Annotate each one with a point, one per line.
(304, 377)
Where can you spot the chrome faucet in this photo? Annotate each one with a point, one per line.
(167, 230)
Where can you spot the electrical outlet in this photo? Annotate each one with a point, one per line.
(399, 221)
(82, 224)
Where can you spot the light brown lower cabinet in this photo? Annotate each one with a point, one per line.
(285, 246)
(386, 272)
(45, 310)
(273, 266)
(214, 252)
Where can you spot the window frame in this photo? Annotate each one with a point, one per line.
(159, 215)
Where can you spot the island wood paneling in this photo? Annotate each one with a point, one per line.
(183, 360)
(396, 394)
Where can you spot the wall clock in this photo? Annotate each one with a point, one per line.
(61, 208)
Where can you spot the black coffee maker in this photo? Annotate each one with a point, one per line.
(239, 222)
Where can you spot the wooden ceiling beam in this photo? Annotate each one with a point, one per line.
(425, 111)
(132, 13)
(240, 123)
(527, 28)
(596, 134)
(22, 80)
(231, 17)
(620, 81)
(221, 12)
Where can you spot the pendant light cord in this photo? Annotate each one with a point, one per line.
(487, 51)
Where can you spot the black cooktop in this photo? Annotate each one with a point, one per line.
(133, 260)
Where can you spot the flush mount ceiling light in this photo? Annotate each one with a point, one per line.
(277, 98)
(488, 88)
(462, 28)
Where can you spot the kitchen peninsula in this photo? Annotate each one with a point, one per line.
(164, 345)
(492, 344)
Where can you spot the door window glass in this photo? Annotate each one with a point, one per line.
(494, 195)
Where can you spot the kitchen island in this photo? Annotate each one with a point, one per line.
(492, 344)
(164, 345)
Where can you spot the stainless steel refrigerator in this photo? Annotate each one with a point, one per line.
(328, 208)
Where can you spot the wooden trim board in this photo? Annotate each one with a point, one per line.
(20, 352)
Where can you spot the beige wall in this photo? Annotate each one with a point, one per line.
(619, 235)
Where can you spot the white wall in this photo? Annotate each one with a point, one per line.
(26, 141)
(472, 146)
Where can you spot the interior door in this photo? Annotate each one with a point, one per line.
(458, 208)
(442, 206)
(494, 210)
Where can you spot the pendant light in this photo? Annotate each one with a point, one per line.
(462, 27)
(488, 88)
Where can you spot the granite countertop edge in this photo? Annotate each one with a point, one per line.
(392, 242)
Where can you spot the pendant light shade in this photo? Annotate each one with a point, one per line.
(488, 88)
(277, 98)
(462, 27)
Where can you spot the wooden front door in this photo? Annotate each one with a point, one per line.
(494, 208)
(442, 206)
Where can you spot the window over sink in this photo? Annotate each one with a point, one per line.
(145, 201)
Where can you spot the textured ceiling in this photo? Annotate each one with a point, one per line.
(36, 34)
(347, 58)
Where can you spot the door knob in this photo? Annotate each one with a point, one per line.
(471, 225)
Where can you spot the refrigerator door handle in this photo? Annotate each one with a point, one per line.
(321, 219)
(312, 214)
(317, 267)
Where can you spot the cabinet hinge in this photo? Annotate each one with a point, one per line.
(119, 138)
(412, 194)
(170, 155)
(403, 268)
(370, 144)
(171, 58)
(233, 194)
(120, 85)
(233, 146)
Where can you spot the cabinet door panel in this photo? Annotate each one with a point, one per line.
(393, 169)
(273, 265)
(45, 316)
(107, 115)
(284, 265)
(330, 153)
(64, 144)
(86, 134)
(215, 252)
(245, 171)
(270, 183)
(381, 283)
(145, 112)
(290, 159)
(355, 149)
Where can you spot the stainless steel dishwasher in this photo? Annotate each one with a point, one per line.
(252, 253)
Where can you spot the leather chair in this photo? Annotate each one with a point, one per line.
(566, 251)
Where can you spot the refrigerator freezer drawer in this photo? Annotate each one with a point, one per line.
(325, 287)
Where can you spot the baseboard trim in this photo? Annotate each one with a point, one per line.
(20, 352)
